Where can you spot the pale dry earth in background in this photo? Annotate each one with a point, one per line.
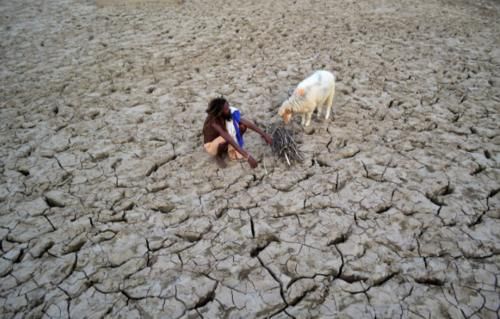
(109, 208)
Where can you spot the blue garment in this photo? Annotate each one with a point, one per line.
(236, 115)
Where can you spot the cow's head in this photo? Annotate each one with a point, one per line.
(285, 112)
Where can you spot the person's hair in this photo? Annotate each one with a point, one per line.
(216, 106)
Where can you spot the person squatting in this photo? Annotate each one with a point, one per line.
(223, 132)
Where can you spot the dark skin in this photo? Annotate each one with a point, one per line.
(244, 124)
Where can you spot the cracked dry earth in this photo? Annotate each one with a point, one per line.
(111, 209)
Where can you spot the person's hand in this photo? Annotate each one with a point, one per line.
(252, 161)
(267, 138)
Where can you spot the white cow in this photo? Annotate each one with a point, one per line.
(315, 91)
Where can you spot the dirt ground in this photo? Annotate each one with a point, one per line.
(109, 207)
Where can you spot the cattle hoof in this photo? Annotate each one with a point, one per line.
(308, 130)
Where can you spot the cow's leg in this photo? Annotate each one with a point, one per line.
(329, 104)
(303, 122)
(308, 122)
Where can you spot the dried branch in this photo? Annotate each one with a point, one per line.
(284, 145)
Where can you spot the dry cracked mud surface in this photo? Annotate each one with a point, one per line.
(111, 209)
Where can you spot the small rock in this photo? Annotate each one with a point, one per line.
(56, 198)
(163, 206)
(99, 152)
(348, 151)
(41, 246)
(190, 236)
(103, 236)
(309, 130)
(75, 244)
(135, 168)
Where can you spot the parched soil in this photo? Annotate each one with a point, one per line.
(110, 208)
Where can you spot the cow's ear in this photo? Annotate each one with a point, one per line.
(287, 116)
(300, 92)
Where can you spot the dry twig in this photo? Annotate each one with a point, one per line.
(284, 145)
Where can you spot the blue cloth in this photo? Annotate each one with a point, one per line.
(236, 115)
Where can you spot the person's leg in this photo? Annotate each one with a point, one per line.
(217, 148)
(221, 151)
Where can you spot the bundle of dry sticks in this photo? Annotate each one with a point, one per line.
(285, 146)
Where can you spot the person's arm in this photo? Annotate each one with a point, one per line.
(225, 135)
(254, 128)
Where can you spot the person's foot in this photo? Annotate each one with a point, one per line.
(220, 161)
